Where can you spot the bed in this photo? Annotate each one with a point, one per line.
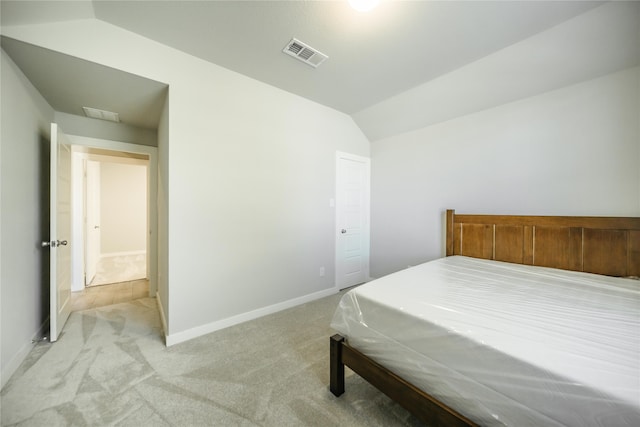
(529, 320)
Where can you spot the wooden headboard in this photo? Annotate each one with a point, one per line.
(602, 245)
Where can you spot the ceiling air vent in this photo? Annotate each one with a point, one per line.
(94, 113)
(304, 53)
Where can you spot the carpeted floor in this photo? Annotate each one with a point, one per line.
(110, 367)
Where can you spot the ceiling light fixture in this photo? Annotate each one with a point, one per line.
(363, 5)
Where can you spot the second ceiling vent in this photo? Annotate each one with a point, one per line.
(304, 53)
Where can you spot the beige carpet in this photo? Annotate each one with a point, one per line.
(110, 367)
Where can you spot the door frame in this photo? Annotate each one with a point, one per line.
(152, 205)
(91, 214)
(367, 203)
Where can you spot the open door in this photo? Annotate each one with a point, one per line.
(60, 248)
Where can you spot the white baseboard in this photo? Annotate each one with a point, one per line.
(21, 355)
(163, 319)
(251, 315)
(127, 253)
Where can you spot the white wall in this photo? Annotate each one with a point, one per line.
(251, 173)
(573, 151)
(123, 207)
(24, 181)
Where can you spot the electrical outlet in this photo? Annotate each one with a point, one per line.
(321, 271)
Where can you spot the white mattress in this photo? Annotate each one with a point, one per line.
(506, 344)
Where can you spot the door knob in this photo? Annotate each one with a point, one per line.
(96, 226)
(343, 231)
(54, 243)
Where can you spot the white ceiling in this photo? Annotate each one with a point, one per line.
(372, 56)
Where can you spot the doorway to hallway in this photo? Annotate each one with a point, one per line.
(117, 237)
(111, 207)
(115, 227)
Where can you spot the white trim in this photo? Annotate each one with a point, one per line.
(111, 145)
(77, 227)
(102, 158)
(125, 253)
(22, 354)
(244, 317)
(163, 319)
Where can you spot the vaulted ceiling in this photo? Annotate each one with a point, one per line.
(373, 56)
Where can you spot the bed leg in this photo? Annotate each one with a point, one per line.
(336, 367)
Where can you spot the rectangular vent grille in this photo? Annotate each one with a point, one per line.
(304, 53)
(95, 113)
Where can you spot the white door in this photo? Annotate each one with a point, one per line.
(60, 224)
(352, 219)
(92, 223)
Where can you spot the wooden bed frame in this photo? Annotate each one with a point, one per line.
(602, 245)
